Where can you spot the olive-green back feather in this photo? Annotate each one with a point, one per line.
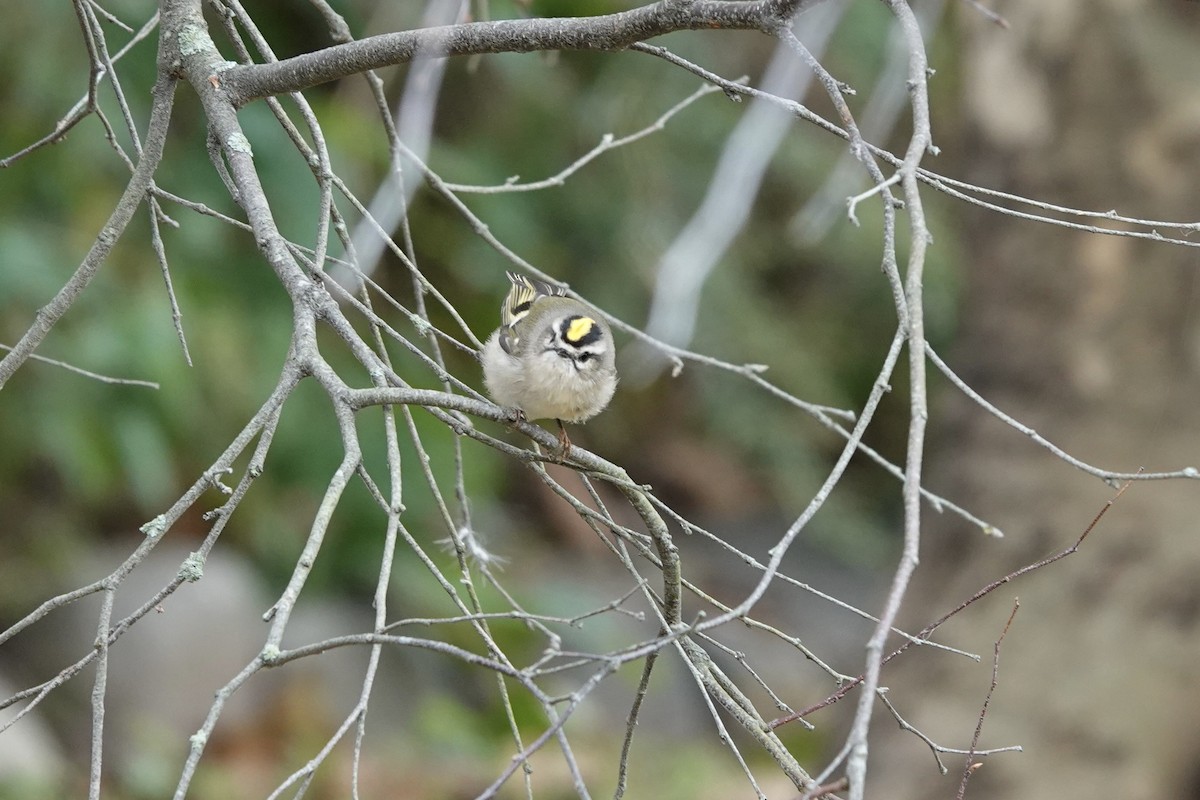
(516, 306)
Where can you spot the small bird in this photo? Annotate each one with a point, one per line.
(550, 358)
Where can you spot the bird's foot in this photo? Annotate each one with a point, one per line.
(564, 441)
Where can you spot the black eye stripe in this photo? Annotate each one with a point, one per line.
(575, 357)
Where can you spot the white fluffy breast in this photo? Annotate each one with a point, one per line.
(544, 385)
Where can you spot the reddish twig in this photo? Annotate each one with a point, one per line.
(970, 766)
(931, 627)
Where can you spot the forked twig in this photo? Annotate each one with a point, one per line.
(933, 626)
(970, 766)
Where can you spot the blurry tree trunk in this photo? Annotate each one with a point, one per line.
(1094, 341)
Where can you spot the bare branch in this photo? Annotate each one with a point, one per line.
(1108, 476)
(88, 373)
(607, 142)
(988, 14)
(920, 142)
(970, 765)
(609, 32)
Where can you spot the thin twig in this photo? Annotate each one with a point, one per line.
(88, 373)
(607, 142)
(925, 632)
(1107, 476)
(631, 723)
(988, 14)
(934, 747)
(970, 765)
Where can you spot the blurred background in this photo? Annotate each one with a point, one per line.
(1091, 340)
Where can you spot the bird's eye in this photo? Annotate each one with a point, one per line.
(585, 356)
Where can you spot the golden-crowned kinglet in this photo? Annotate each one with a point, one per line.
(551, 358)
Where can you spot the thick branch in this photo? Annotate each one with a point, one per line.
(608, 32)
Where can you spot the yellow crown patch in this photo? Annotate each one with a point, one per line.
(579, 328)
